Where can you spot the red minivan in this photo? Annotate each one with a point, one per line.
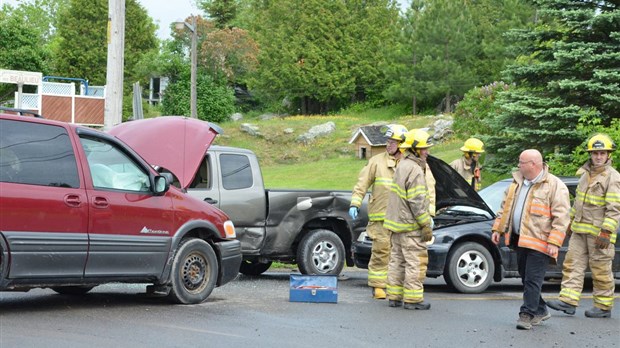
(79, 208)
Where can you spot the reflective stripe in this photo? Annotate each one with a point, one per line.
(570, 293)
(572, 213)
(424, 219)
(556, 237)
(610, 224)
(398, 227)
(417, 294)
(540, 209)
(604, 300)
(377, 275)
(376, 216)
(356, 201)
(580, 227)
(394, 290)
(590, 198)
(411, 193)
(382, 181)
(533, 243)
(612, 197)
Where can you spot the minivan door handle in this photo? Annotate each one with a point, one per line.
(73, 200)
(210, 200)
(100, 202)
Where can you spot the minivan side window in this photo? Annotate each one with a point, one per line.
(111, 168)
(236, 172)
(37, 154)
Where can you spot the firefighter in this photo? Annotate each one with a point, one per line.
(595, 214)
(533, 219)
(410, 224)
(378, 173)
(469, 165)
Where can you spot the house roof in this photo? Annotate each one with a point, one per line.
(372, 135)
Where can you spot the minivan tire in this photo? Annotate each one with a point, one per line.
(194, 272)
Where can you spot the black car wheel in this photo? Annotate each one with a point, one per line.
(254, 268)
(470, 268)
(72, 290)
(194, 272)
(321, 252)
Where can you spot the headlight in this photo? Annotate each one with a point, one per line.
(362, 237)
(229, 229)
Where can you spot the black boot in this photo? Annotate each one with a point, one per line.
(420, 305)
(395, 303)
(560, 305)
(596, 312)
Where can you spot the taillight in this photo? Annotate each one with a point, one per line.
(229, 229)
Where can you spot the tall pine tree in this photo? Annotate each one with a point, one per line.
(568, 72)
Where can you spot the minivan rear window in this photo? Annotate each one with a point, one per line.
(37, 154)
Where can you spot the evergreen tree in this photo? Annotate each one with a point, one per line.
(567, 74)
(223, 12)
(82, 50)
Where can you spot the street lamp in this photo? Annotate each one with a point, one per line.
(180, 25)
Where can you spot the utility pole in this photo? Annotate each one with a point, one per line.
(113, 113)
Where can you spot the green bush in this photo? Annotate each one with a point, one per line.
(477, 105)
(215, 102)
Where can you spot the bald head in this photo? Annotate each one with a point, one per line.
(530, 163)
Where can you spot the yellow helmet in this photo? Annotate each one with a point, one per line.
(473, 145)
(394, 131)
(601, 142)
(417, 139)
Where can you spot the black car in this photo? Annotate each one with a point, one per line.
(461, 249)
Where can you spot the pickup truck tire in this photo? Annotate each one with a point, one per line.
(469, 268)
(254, 268)
(194, 272)
(320, 252)
(72, 290)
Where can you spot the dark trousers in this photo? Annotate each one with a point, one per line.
(532, 268)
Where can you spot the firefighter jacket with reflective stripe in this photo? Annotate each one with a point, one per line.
(545, 216)
(461, 166)
(407, 208)
(377, 173)
(597, 202)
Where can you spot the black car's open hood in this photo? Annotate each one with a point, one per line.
(451, 189)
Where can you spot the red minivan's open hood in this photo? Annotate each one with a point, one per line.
(174, 142)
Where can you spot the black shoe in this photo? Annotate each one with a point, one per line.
(525, 321)
(419, 306)
(596, 312)
(395, 303)
(559, 305)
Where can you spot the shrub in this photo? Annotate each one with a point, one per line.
(477, 105)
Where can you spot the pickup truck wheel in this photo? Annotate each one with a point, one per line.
(72, 290)
(470, 268)
(320, 252)
(254, 268)
(194, 272)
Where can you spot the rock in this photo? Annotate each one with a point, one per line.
(317, 131)
(288, 131)
(236, 117)
(251, 129)
(267, 116)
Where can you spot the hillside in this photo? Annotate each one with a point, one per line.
(326, 163)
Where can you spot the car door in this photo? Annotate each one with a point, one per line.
(43, 204)
(130, 227)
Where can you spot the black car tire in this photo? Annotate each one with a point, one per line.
(194, 272)
(469, 268)
(72, 290)
(321, 252)
(254, 268)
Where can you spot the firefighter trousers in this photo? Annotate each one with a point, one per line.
(407, 267)
(378, 264)
(581, 254)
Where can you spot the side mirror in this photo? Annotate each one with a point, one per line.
(162, 184)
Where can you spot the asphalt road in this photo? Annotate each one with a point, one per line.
(256, 312)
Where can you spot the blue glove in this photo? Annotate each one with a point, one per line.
(353, 212)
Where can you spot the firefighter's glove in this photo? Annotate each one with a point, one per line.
(602, 240)
(353, 212)
(568, 230)
(427, 233)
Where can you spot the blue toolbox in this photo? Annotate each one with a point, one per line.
(314, 288)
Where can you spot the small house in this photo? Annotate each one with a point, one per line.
(369, 141)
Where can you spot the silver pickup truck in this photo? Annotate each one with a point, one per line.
(311, 228)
